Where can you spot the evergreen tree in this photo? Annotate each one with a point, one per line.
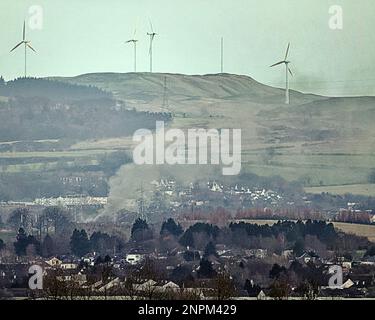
(48, 247)
(23, 241)
(140, 230)
(79, 243)
(210, 250)
(276, 271)
(171, 227)
(205, 269)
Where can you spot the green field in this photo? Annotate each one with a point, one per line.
(357, 189)
(7, 235)
(329, 141)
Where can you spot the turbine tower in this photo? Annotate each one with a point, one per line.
(152, 35)
(222, 55)
(26, 43)
(287, 71)
(134, 41)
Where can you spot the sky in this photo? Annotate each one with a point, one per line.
(74, 37)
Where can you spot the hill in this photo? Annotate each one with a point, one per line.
(320, 141)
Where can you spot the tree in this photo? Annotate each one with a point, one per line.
(79, 243)
(299, 247)
(2, 245)
(48, 247)
(171, 227)
(23, 241)
(223, 286)
(252, 288)
(205, 269)
(210, 250)
(307, 290)
(191, 255)
(279, 289)
(207, 230)
(140, 230)
(276, 271)
(20, 218)
(101, 242)
(55, 216)
(182, 275)
(370, 252)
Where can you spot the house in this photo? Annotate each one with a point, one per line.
(90, 258)
(287, 254)
(307, 257)
(134, 258)
(78, 278)
(170, 286)
(347, 265)
(262, 295)
(68, 266)
(54, 262)
(145, 286)
(363, 280)
(111, 284)
(346, 285)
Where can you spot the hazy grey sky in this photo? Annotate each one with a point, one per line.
(81, 36)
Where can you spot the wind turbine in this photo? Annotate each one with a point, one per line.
(134, 41)
(26, 43)
(152, 35)
(222, 55)
(287, 71)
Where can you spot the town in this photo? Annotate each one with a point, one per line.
(181, 259)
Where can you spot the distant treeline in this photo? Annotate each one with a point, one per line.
(298, 236)
(40, 118)
(51, 89)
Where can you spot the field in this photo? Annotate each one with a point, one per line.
(367, 231)
(358, 189)
(317, 140)
(7, 235)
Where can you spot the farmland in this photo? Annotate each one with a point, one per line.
(358, 189)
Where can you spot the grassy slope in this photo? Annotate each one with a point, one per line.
(323, 141)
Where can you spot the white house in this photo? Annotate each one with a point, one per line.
(134, 258)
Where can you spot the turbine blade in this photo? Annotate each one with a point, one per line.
(17, 46)
(24, 31)
(136, 27)
(290, 71)
(152, 28)
(29, 45)
(276, 64)
(287, 51)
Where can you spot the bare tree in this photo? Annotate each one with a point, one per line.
(223, 286)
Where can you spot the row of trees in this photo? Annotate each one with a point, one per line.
(81, 243)
(50, 220)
